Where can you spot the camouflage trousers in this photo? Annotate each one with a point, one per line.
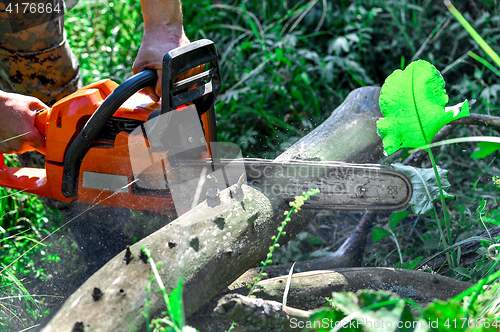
(36, 61)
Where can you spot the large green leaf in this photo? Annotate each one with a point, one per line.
(425, 188)
(413, 104)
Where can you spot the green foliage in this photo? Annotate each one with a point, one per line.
(23, 225)
(396, 218)
(425, 186)
(477, 38)
(485, 149)
(378, 233)
(413, 104)
(476, 309)
(296, 206)
(411, 264)
(496, 180)
(364, 311)
(287, 65)
(105, 36)
(174, 319)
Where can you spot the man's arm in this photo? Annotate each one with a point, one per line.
(163, 31)
(18, 133)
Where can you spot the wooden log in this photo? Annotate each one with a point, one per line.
(309, 289)
(348, 255)
(349, 134)
(260, 314)
(210, 247)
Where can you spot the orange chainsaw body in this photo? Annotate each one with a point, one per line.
(63, 122)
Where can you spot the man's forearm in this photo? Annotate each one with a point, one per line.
(164, 13)
(163, 32)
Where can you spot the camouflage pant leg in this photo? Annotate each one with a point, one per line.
(36, 61)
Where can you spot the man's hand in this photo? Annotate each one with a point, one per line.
(157, 41)
(18, 133)
(163, 31)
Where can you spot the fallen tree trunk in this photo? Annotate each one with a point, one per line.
(211, 246)
(348, 255)
(308, 291)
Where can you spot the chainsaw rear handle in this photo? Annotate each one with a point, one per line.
(206, 87)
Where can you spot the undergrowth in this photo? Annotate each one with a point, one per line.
(24, 222)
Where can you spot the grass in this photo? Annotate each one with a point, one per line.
(24, 221)
(286, 66)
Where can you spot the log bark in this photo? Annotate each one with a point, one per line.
(309, 289)
(210, 247)
(260, 314)
(339, 138)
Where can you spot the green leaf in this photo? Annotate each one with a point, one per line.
(175, 298)
(326, 315)
(413, 104)
(396, 217)
(462, 271)
(445, 316)
(369, 307)
(425, 188)
(410, 265)
(493, 217)
(485, 149)
(378, 233)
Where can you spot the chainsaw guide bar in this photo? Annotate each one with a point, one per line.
(341, 185)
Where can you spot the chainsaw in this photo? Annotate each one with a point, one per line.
(107, 144)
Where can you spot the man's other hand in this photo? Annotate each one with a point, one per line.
(18, 133)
